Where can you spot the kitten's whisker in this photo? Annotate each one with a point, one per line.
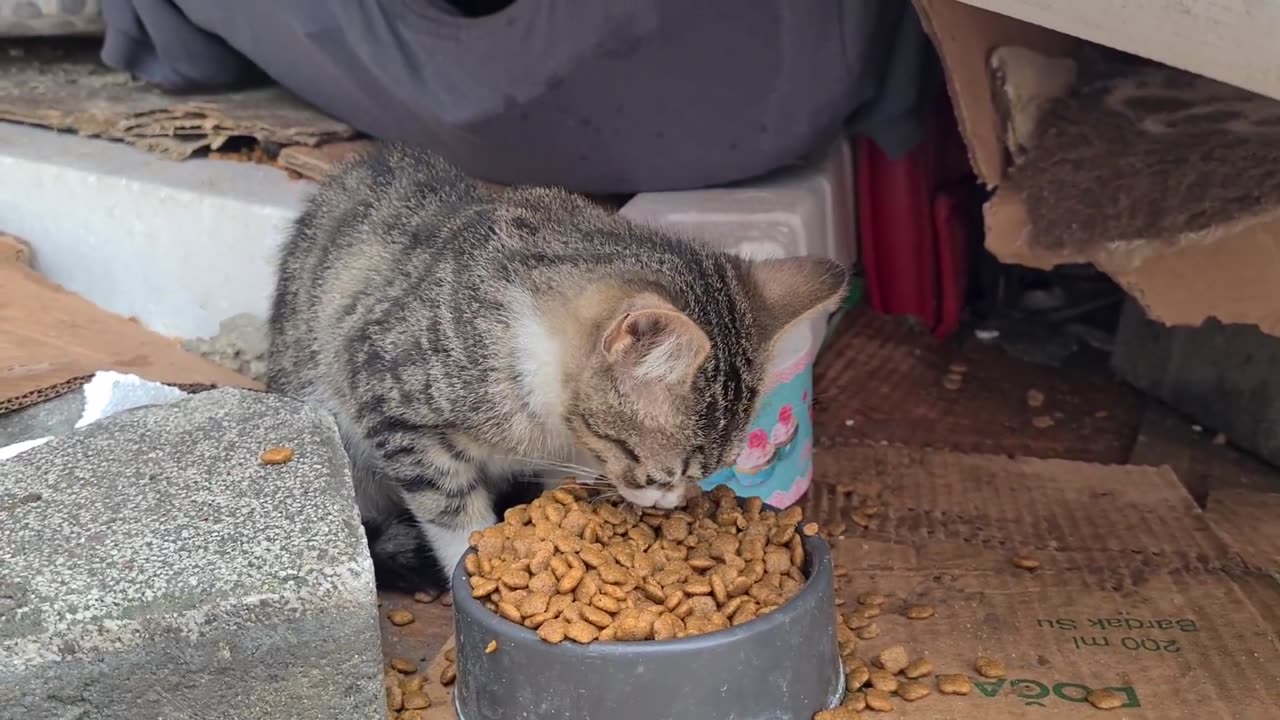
(557, 463)
(605, 496)
(576, 470)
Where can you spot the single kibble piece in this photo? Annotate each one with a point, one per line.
(869, 632)
(395, 698)
(404, 665)
(1105, 699)
(989, 667)
(919, 612)
(857, 701)
(491, 648)
(416, 701)
(810, 529)
(553, 631)
(893, 659)
(952, 381)
(400, 617)
(844, 712)
(449, 674)
(918, 668)
(1035, 398)
(954, 685)
(276, 456)
(1042, 422)
(413, 684)
(913, 690)
(415, 714)
(425, 598)
(879, 700)
(857, 677)
(1026, 562)
(871, 598)
(447, 600)
(884, 680)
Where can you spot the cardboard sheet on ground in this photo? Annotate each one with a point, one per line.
(1136, 591)
(52, 341)
(63, 86)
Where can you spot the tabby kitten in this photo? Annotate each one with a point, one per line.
(462, 337)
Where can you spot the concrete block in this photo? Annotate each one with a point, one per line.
(179, 245)
(1222, 376)
(152, 567)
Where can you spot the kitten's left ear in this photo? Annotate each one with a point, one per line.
(652, 341)
(788, 290)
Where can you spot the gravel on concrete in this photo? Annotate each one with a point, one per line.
(152, 567)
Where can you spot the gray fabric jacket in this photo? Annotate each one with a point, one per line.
(600, 96)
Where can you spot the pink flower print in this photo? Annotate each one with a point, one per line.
(757, 453)
(785, 429)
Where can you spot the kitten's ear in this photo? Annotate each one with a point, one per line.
(787, 290)
(652, 341)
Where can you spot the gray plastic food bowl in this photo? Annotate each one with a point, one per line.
(782, 666)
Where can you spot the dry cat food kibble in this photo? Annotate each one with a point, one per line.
(404, 665)
(919, 612)
(893, 659)
(879, 700)
(400, 617)
(989, 667)
(954, 684)
(917, 669)
(406, 699)
(913, 690)
(1026, 562)
(1104, 699)
(276, 456)
(574, 568)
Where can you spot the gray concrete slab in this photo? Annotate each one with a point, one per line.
(51, 417)
(152, 567)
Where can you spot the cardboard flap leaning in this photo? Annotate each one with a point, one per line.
(52, 341)
(1135, 591)
(1081, 143)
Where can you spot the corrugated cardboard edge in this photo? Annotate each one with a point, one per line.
(36, 397)
(52, 341)
(965, 36)
(1231, 42)
(1224, 273)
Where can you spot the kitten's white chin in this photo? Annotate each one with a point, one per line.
(664, 498)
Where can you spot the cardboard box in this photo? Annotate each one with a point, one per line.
(52, 341)
(1229, 41)
(1190, 228)
(1137, 591)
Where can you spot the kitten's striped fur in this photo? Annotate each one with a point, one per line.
(457, 333)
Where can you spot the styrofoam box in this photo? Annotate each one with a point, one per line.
(809, 210)
(179, 245)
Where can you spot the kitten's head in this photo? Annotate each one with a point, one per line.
(669, 391)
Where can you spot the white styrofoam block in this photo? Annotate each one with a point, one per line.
(808, 210)
(179, 245)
